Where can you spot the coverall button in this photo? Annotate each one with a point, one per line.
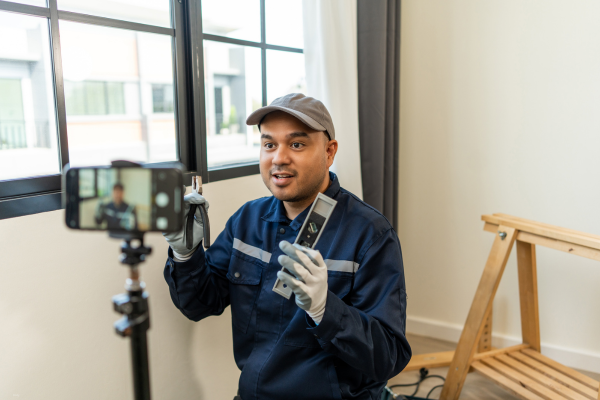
(281, 230)
(237, 274)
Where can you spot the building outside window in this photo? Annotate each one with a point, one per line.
(28, 143)
(110, 78)
(162, 98)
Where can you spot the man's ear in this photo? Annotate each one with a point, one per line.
(331, 149)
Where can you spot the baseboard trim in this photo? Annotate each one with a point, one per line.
(574, 358)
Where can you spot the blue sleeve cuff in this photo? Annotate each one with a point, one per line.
(331, 323)
(186, 267)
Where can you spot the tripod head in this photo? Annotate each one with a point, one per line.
(132, 256)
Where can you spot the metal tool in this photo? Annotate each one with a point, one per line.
(189, 224)
(309, 234)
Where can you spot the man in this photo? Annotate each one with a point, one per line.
(118, 214)
(342, 334)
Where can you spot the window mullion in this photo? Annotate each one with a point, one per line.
(263, 51)
(197, 68)
(59, 87)
(183, 124)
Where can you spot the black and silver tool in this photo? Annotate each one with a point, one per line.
(189, 224)
(311, 231)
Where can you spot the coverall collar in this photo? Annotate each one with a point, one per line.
(277, 211)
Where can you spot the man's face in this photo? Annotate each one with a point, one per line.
(117, 195)
(294, 159)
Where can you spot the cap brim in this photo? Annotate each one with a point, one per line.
(257, 116)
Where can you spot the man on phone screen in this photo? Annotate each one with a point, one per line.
(117, 213)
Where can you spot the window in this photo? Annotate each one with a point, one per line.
(85, 82)
(252, 55)
(162, 98)
(110, 75)
(28, 142)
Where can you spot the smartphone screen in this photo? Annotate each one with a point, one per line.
(124, 199)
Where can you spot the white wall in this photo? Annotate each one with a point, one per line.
(56, 337)
(500, 112)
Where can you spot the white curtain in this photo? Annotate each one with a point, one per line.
(331, 76)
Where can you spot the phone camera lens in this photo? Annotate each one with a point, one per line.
(162, 199)
(162, 223)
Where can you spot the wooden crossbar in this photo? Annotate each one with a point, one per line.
(521, 369)
(546, 235)
(444, 358)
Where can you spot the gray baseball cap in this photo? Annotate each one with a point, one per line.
(307, 109)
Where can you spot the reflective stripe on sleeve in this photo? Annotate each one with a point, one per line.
(341, 265)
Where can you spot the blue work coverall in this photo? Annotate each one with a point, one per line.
(282, 353)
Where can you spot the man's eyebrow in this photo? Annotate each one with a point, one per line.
(289, 135)
(297, 134)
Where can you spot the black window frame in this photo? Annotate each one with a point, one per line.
(31, 195)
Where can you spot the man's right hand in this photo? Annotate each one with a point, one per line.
(178, 240)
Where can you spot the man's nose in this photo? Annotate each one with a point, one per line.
(282, 156)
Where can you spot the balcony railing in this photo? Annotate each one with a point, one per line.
(13, 135)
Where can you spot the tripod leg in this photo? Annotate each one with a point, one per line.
(139, 362)
(133, 305)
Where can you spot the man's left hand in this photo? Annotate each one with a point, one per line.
(309, 282)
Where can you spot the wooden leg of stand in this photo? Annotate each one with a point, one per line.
(485, 341)
(482, 303)
(530, 319)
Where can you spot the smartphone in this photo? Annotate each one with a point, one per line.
(123, 199)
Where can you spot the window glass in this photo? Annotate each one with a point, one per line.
(28, 135)
(152, 12)
(233, 89)
(284, 23)
(111, 79)
(239, 19)
(94, 98)
(285, 74)
(162, 98)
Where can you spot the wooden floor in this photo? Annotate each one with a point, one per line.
(476, 386)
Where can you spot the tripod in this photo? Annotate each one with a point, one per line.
(134, 307)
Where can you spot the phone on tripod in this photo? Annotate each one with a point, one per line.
(124, 199)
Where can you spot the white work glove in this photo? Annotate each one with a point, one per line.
(310, 282)
(177, 240)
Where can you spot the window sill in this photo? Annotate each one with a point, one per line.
(31, 204)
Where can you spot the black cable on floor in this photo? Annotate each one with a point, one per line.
(423, 375)
(432, 389)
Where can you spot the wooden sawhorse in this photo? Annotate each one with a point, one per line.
(520, 369)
